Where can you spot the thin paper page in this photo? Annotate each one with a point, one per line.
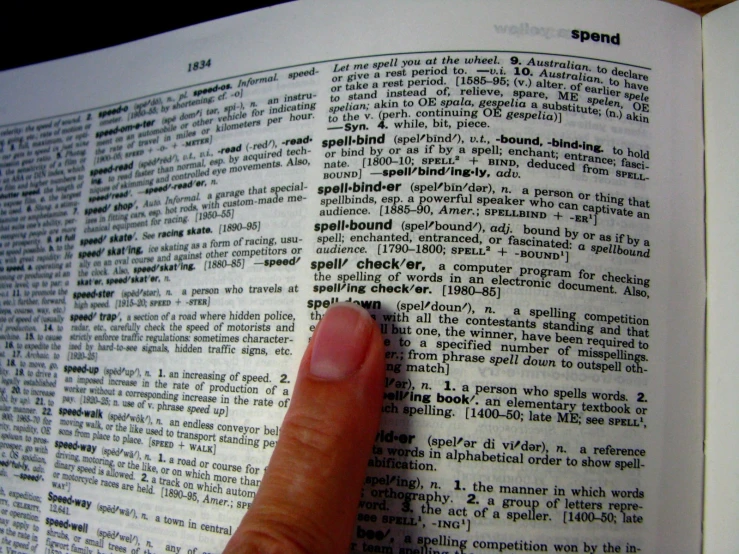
(515, 192)
(721, 82)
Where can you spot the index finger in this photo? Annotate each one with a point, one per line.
(308, 499)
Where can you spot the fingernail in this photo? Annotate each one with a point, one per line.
(340, 342)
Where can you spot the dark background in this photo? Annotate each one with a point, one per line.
(31, 33)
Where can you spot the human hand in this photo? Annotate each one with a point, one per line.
(308, 499)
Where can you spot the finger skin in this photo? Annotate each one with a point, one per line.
(307, 502)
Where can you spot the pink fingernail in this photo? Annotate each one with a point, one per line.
(340, 342)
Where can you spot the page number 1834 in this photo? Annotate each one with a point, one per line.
(195, 66)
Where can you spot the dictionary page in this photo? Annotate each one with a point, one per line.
(514, 191)
(721, 82)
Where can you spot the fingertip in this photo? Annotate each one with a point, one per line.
(341, 342)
